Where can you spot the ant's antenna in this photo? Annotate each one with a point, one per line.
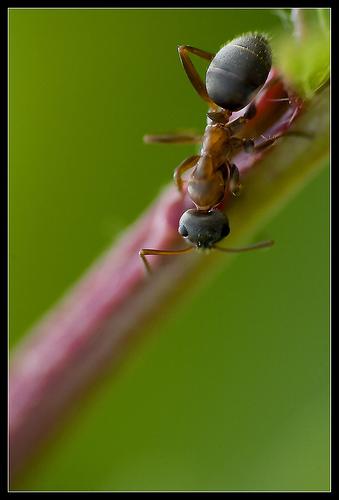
(149, 251)
(255, 246)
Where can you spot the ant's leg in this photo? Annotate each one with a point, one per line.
(246, 144)
(147, 251)
(238, 123)
(234, 182)
(265, 144)
(192, 73)
(249, 146)
(173, 139)
(185, 165)
(231, 177)
(269, 142)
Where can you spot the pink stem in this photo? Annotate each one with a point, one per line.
(88, 328)
(94, 323)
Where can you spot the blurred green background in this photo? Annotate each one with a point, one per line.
(232, 391)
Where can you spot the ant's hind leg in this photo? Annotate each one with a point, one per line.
(192, 73)
(185, 165)
(173, 139)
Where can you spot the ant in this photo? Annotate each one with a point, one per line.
(234, 77)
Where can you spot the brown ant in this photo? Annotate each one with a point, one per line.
(234, 77)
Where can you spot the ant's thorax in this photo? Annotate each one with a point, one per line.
(206, 186)
(217, 143)
(214, 144)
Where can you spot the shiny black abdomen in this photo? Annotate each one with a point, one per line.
(238, 71)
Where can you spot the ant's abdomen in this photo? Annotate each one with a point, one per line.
(238, 71)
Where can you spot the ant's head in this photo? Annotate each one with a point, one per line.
(203, 229)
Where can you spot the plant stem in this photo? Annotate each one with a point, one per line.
(94, 324)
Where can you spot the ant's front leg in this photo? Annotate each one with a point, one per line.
(192, 73)
(185, 165)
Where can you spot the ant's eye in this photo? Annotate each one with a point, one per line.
(183, 231)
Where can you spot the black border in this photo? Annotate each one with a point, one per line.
(78, 4)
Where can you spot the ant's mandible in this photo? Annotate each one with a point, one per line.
(234, 77)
